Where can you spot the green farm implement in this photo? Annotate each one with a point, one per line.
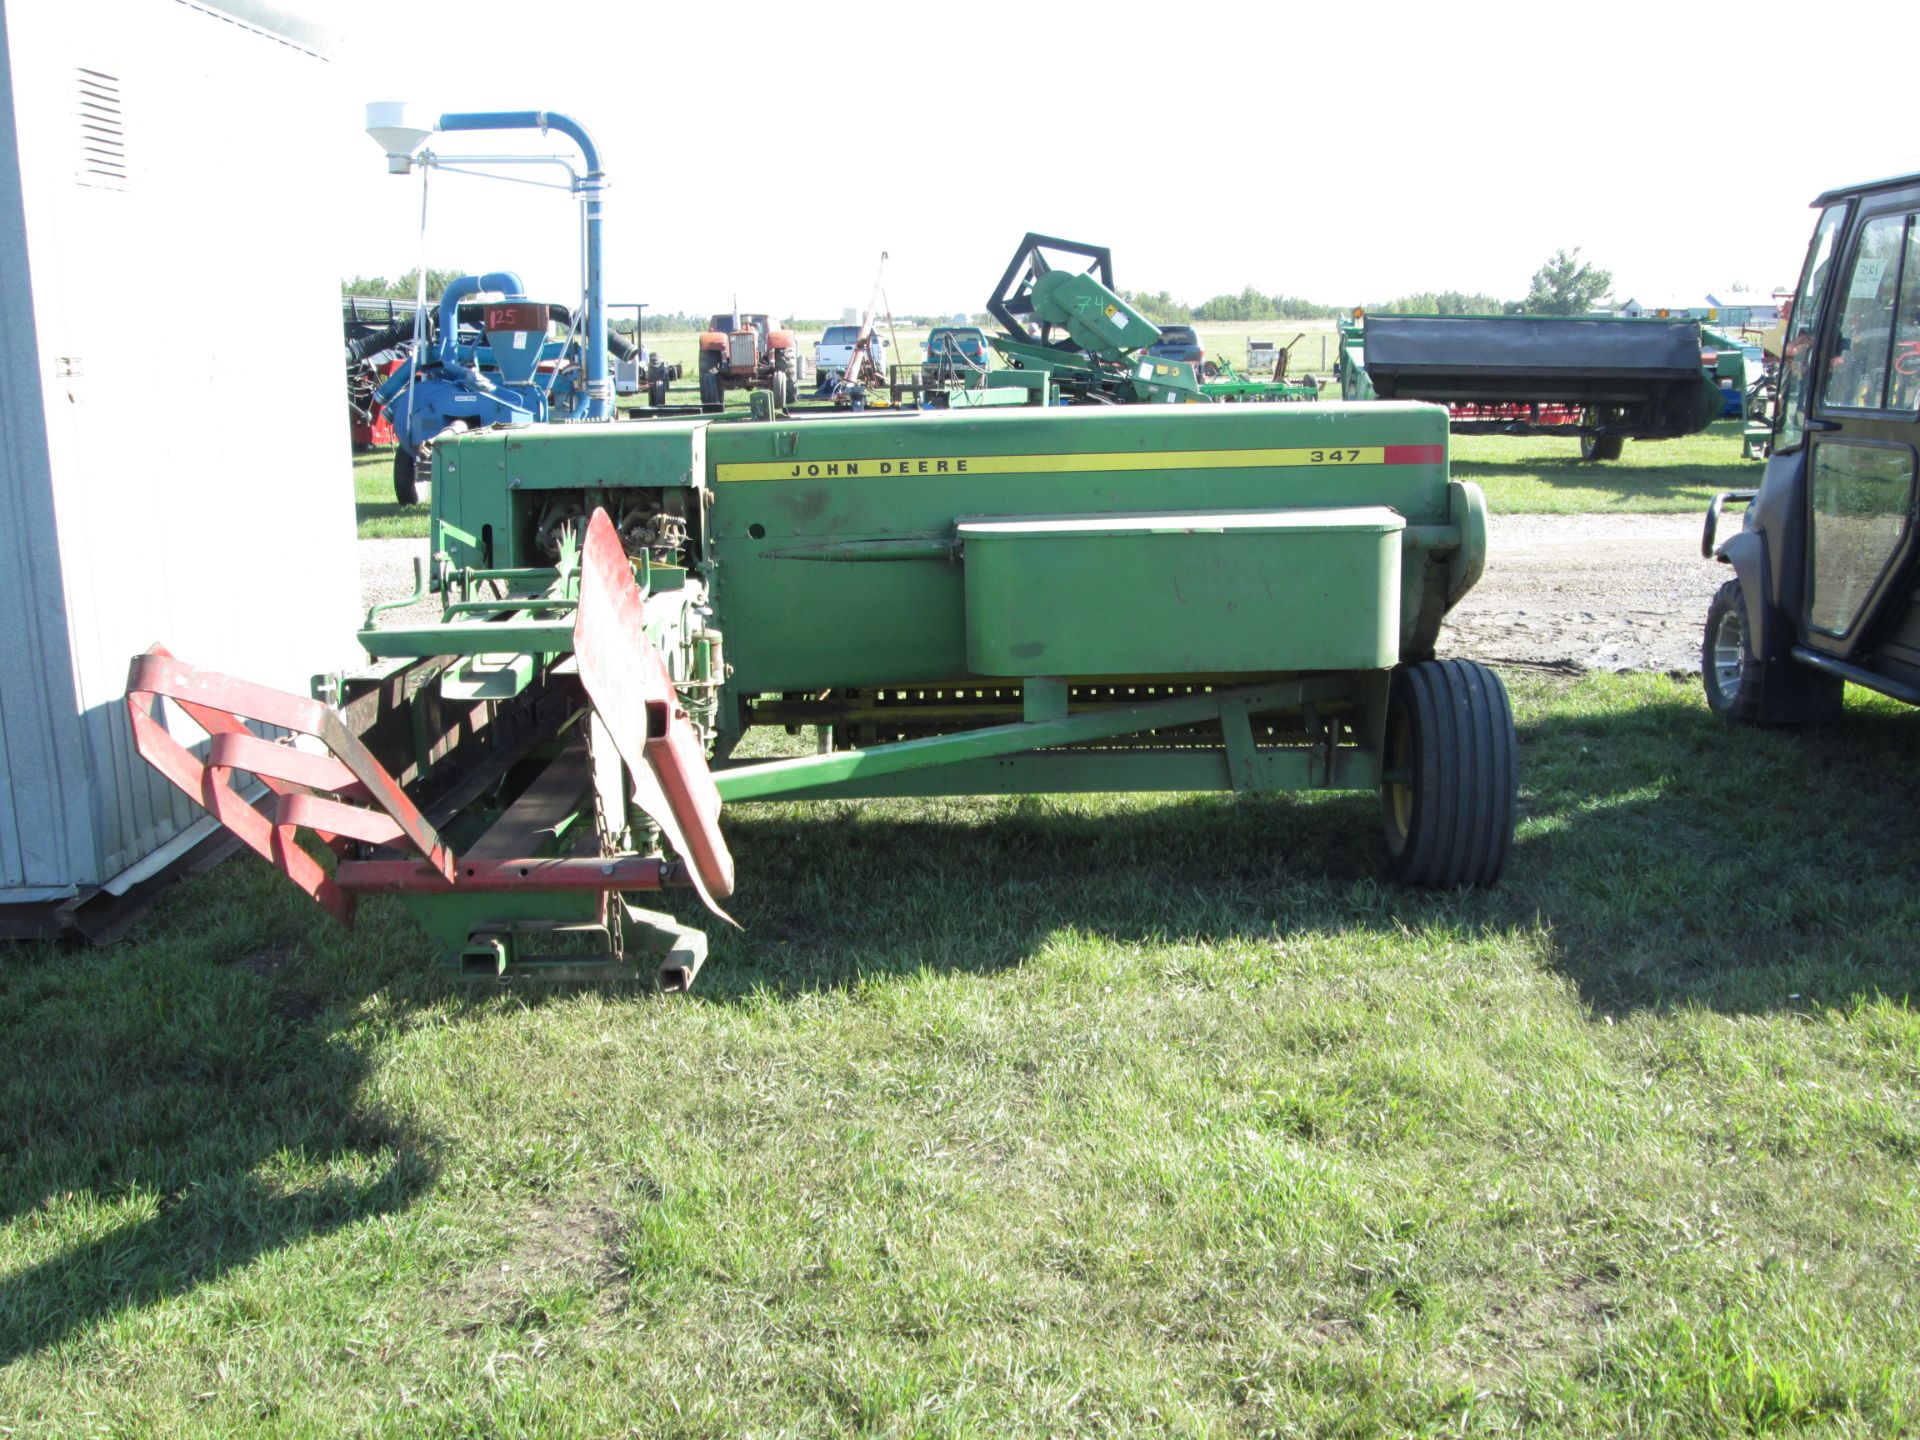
(980, 600)
(1067, 332)
(1601, 378)
(1233, 386)
(1231, 598)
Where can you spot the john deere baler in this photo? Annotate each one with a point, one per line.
(975, 602)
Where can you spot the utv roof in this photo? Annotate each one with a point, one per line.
(1892, 182)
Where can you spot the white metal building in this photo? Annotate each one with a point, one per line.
(176, 463)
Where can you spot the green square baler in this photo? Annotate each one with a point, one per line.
(1144, 598)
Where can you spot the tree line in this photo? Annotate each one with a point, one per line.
(1564, 285)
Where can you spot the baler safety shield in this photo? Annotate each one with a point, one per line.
(629, 685)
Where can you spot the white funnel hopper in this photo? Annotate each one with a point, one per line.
(398, 128)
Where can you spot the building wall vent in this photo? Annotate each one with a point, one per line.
(102, 157)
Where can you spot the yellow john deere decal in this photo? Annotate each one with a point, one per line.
(1031, 464)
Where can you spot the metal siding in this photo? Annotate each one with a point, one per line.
(200, 492)
(44, 809)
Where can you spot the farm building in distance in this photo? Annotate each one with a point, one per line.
(1744, 308)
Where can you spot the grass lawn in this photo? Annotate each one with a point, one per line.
(1541, 475)
(1140, 1115)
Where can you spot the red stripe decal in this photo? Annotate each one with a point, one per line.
(1416, 454)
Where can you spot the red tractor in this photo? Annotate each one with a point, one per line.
(747, 352)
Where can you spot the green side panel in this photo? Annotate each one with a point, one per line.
(477, 479)
(1355, 383)
(795, 623)
(1098, 320)
(1184, 593)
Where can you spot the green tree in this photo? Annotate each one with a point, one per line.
(1564, 286)
(1159, 307)
(381, 288)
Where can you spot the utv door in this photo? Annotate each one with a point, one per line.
(1863, 407)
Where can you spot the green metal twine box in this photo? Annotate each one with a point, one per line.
(1183, 593)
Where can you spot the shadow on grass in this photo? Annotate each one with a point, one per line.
(1625, 479)
(1664, 859)
(174, 1112)
(184, 1108)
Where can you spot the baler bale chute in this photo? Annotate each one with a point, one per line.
(1603, 378)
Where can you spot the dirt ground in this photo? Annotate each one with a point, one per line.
(1598, 592)
(1591, 592)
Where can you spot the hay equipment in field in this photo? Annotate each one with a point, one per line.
(379, 336)
(1602, 378)
(503, 359)
(1242, 599)
(1068, 334)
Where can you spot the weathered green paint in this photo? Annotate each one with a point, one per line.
(473, 637)
(481, 515)
(1184, 592)
(1285, 556)
(1081, 772)
(794, 625)
(777, 777)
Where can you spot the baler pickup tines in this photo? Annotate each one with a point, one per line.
(350, 801)
(348, 771)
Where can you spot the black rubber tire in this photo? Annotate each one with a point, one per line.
(788, 369)
(1450, 738)
(713, 395)
(1598, 447)
(1746, 690)
(657, 393)
(1733, 681)
(782, 390)
(406, 484)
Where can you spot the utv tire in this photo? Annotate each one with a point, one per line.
(1728, 670)
(406, 486)
(1747, 690)
(1449, 789)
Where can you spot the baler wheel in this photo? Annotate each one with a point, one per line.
(406, 487)
(1598, 447)
(1450, 788)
